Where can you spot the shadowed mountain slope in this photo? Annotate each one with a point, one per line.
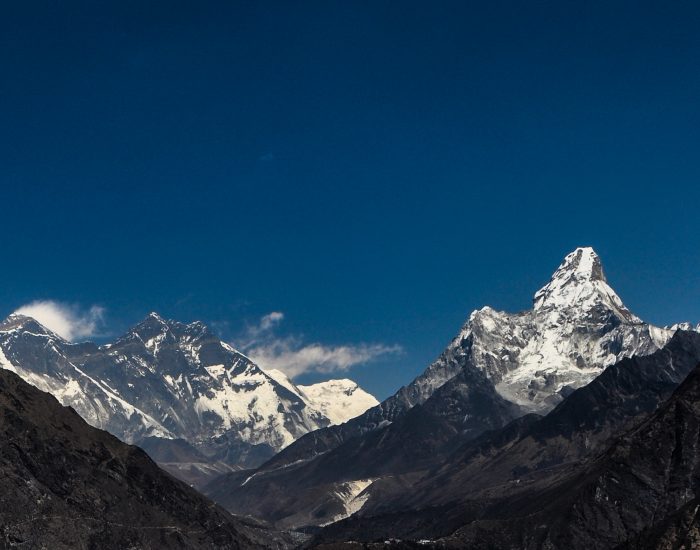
(565, 480)
(65, 484)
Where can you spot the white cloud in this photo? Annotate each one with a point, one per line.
(261, 330)
(293, 357)
(270, 320)
(66, 320)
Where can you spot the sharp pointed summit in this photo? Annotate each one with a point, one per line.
(582, 263)
(152, 320)
(579, 286)
(580, 267)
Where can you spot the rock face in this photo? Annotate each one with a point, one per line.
(65, 484)
(519, 482)
(641, 492)
(499, 367)
(166, 383)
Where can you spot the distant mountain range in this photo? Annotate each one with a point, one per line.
(499, 368)
(572, 425)
(197, 405)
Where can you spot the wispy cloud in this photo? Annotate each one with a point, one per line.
(69, 321)
(262, 330)
(294, 359)
(271, 320)
(293, 356)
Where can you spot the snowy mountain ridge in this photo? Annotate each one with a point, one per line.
(577, 326)
(338, 399)
(174, 381)
(499, 367)
(45, 365)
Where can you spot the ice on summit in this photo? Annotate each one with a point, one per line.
(580, 283)
(578, 326)
(339, 400)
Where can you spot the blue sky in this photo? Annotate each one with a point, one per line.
(373, 171)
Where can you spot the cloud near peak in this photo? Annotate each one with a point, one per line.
(68, 321)
(270, 320)
(294, 357)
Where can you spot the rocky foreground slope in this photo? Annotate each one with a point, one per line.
(67, 485)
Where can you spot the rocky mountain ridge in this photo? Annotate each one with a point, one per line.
(504, 475)
(174, 385)
(499, 367)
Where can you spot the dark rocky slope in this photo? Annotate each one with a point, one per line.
(524, 486)
(65, 484)
(679, 531)
(646, 483)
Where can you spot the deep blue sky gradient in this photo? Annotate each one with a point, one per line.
(375, 170)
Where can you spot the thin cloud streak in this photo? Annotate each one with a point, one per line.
(293, 357)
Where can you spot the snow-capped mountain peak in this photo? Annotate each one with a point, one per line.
(49, 362)
(579, 283)
(153, 326)
(167, 379)
(578, 326)
(582, 263)
(22, 323)
(339, 400)
(155, 334)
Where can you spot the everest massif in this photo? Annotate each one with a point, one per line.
(193, 402)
